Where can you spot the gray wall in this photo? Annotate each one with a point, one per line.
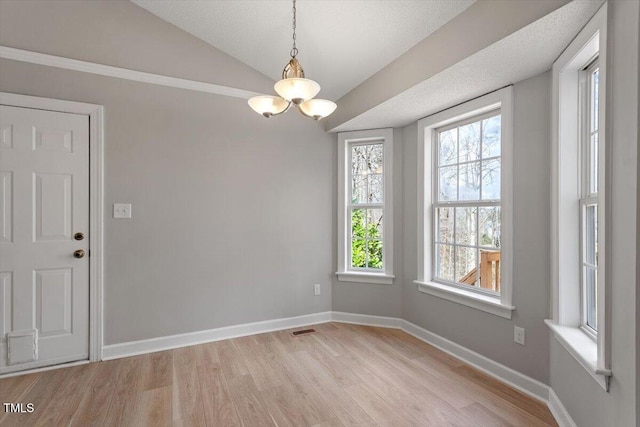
(121, 34)
(588, 404)
(231, 211)
(482, 332)
(368, 298)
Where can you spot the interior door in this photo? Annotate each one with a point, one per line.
(44, 241)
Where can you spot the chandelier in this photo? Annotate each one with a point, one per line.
(293, 89)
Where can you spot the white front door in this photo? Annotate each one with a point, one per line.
(44, 240)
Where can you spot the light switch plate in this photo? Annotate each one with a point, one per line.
(122, 210)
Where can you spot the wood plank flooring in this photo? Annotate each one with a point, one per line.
(342, 375)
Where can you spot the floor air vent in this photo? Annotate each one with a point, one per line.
(303, 332)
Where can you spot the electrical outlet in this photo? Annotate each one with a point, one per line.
(122, 210)
(518, 335)
(316, 289)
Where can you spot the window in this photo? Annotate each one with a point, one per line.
(365, 206)
(466, 211)
(579, 190)
(365, 209)
(464, 230)
(589, 198)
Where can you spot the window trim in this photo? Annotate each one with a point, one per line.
(501, 305)
(566, 302)
(345, 140)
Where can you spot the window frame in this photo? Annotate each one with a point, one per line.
(345, 272)
(479, 203)
(365, 206)
(567, 140)
(587, 196)
(499, 305)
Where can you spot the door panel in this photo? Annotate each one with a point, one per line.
(53, 139)
(44, 200)
(6, 208)
(53, 206)
(6, 136)
(6, 305)
(53, 301)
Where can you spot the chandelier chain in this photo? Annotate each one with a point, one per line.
(294, 49)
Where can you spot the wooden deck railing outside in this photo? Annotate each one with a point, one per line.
(489, 272)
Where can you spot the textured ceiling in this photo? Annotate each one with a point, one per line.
(521, 55)
(341, 43)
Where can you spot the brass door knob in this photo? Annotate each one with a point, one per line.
(78, 254)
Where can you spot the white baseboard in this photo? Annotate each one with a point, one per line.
(152, 345)
(365, 319)
(558, 411)
(132, 348)
(515, 379)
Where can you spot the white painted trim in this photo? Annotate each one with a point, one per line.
(96, 232)
(502, 99)
(583, 348)
(475, 300)
(366, 319)
(132, 348)
(121, 73)
(565, 166)
(38, 103)
(344, 139)
(96, 200)
(515, 379)
(376, 278)
(558, 411)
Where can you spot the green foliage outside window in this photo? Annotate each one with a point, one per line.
(366, 246)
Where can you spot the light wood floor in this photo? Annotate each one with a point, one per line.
(343, 375)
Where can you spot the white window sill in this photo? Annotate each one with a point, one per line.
(475, 300)
(362, 277)
(582, 348)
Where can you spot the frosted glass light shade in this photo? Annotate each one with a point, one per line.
(268, 105)
(317, 108)
(297, 90)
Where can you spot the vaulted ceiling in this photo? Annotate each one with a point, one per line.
(388, 62)
(341, 43)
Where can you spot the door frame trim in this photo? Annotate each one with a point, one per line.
(96, 201)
